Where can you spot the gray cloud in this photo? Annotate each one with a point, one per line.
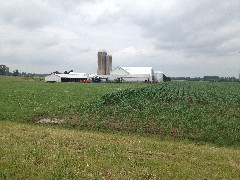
(190, 26)
(178, 37)
(27, 14)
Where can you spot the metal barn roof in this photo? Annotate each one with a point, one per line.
(75, 73)
(138, 70)
(71, 76)
(158, 72)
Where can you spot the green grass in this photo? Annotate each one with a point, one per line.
(23, 99)
(119, 131)
(41, 152)
(201, 112)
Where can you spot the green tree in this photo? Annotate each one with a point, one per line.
(165, 78)
(4, 70)
(24, 74)
(56, 72)
(15, 73)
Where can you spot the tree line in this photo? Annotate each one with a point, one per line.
(65, 72)
(207, 78)
(4, 71)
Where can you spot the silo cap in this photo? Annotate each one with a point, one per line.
(102, 50)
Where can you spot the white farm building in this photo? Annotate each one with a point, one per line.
(123, 74)
(135, 74)
(71, 77)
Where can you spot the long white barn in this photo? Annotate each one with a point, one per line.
(77, 77)
(135, 74)
(65, 78)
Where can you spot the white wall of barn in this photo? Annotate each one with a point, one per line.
(52, 78)
(158, 75)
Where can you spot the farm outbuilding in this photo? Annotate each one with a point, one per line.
(132, 74)
(136, 74)
(66, 77)
(53, 78)
(139, 71)
(158, 76)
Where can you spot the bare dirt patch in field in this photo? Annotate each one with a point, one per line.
(50, 121)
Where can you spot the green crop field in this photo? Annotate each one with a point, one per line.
(175, 130)
(202, 112)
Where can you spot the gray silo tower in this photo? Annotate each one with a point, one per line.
(102, 56)
(104, 63)
(108, 64)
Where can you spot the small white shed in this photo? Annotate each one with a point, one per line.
(53, 78)
(158, 76)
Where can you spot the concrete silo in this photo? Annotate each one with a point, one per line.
(104, 63)
(108, 64)
(102, 58)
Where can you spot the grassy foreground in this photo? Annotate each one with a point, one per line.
(41, 152)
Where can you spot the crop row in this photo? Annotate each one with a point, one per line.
(207, 112)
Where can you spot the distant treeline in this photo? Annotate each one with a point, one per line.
(4, 71)
(207, 78)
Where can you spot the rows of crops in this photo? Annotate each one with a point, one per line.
(203, 112)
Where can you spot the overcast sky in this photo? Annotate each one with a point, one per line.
(178, 37)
